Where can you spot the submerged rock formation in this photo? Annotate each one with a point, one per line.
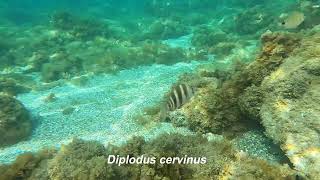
(279, 90)
(290, 106)
(15, 123)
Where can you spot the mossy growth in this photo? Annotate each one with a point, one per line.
(165, 29)
(7, 58)
(79, 27)
(88, 160)
(26, 166)
(275, 48)
(11, 87)
(15, 122)
(62, 68)
(252, 21)
(208, 37)
(146, 53)
(228, 105)
(252, 168)
(214, 41)
(162, 54)
(80, 160)
(148, 117)
(222, 49)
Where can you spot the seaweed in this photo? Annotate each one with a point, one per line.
(89, 160)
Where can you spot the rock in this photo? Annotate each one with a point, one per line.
(11, 87)
(15, 123)
(287, 102)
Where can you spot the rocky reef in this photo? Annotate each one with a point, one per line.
(15, 123)
(279, 90)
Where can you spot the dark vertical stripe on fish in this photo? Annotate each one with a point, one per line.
(189, 91)
(176, 97)
(183, 95)
(171, 102)
(180, 95)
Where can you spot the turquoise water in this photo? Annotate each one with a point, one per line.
(94, 69)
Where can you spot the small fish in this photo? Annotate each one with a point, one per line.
(293, 20)
(178, 96)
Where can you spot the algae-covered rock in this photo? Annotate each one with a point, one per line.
(290, 112)
(62, 67)
(252, 20)
(287, 101)
(208, 37)
(26, 166)
(80, 160)
(11, 87)
(165, 29)
(79, 27)
(15, 123)
(251, 168)
(217, 108)
(280, 89)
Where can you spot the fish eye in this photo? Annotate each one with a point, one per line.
(283, 23)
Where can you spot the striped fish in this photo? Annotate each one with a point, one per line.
(178, 96)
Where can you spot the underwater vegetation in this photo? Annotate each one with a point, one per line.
(78, 27)
(73, 46)
(88, 160)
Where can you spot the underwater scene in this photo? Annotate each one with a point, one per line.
(159, 90)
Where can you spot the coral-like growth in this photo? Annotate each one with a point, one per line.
(15, 123)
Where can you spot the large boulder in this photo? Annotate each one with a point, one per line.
(15, 122)
(287, 103)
